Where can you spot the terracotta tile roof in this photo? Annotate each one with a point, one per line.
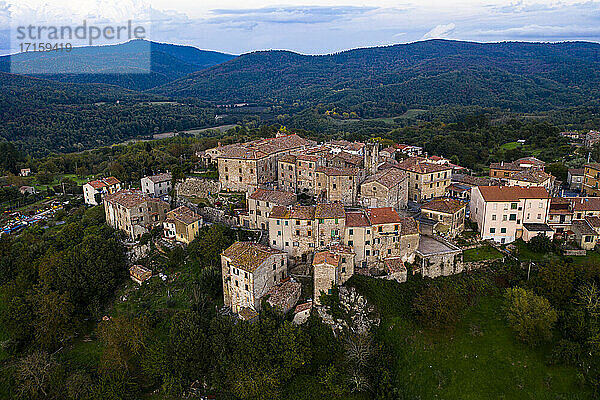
(420, 166)
(388, 177)
(184, 215)
(395, 264)
(339, 248)
(247, 314)
(390, 150)
(512, 193)
(330, 210)
(129, 198)
(583, 227)
(296, 211)
(384, 215)
(331, 171)
(307, 157)
(506, 166)
(356, 219)
(111, 180)
(529, 175)
(409, 226)
(277, 197)
(593, 221)
(97, 184)
(444, 205)
(164, 177)
(248, 255)
(288, 158)
(585, 203)
(531, 160)
(263, 147)
(576, 171)
(471, 180)
(303, 307)
(349, 158)
(595, 166)
(326, 257)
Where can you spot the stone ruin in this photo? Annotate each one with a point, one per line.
(359, 315)
(198, 187)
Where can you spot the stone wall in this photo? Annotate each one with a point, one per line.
(197, 187)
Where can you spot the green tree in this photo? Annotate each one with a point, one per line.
(531, 317)
(438, 307)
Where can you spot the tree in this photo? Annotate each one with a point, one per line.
(555, 281)
(438, 308)
(52, 320)
(531, 317)
(33, 374)
(123, 340)
(541, 244)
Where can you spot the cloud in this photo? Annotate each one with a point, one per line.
(541, 32)
(440, 31)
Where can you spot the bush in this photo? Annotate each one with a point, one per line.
(438, 308)
(541, 244)
(566, 352)
(531, 317)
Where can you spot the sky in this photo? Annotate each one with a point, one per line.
(313, 26)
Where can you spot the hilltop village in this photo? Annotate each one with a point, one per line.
(331, 210)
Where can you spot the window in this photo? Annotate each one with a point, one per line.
(343, 270)
(367, 242)
(297, 222)
(380, 229)
(278, 233)
(505, 217)
(321, 220)
(297, 232)
(350, 243)
(539, 216)
(274, 267)
(493, 217)
(368, 252)
(588, 239)
(541, 204)
(513, 217)
(351, 231)
(492, 230)
(287, 244)
(513, 206)
(395, 227)
(246, 287)
(286, 223)
(502, 230)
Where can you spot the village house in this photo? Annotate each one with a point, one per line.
(575, 177)
(387, 188)
(532, 177)
(25, 172)
(343, 159)
(337, 146)
(331, 267)
(157, 185)
(260, 204)
(503, 213)
(425, 180)
(286, 176)
(504, 170)
(591, 180)
(134, 212)
(337, 184)
(182, 225)
(244, 166)
(586, 232)
(249, 271)
(300, 230)
(139, 274)
(443, 216)
(591, 138)
(437, 257)
(461, 185)
(93, 191)
(560, 215)
(410, 151)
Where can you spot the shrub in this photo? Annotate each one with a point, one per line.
(438, 308)
(531, 317)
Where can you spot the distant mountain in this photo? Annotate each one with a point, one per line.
(167, 63)
(512, 75)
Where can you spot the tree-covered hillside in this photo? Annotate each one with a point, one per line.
(514, 76)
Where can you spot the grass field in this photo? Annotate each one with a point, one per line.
(485, 252)
(480, 359)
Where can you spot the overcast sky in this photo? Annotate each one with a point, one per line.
(317, 26)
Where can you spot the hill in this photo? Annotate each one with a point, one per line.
(514, 76)
(167, 62)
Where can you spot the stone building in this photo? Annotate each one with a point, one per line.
(532, 177)
(182, 225)
(286, 175)
(260, 204)
(337, 184)
(344, 159)
(445, 216)
(410, 236)
(591, 180)
(249, 271)
(244, 166)
(134, 212)
(157, 185)
(437, 257)
(93, 191)
(575, 177)
(371, 154)
(331, 267)
(300, 230)
(425, 180)
(387, 188)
